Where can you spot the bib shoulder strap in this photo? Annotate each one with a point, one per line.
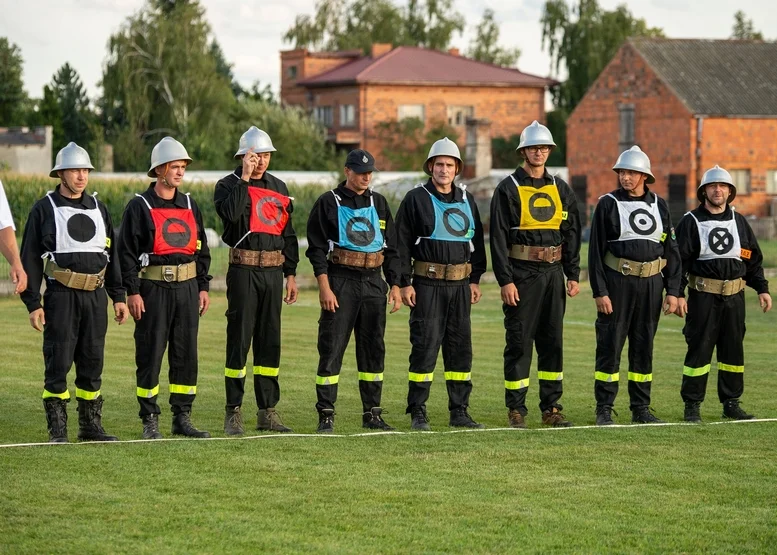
(144, 200)
(51, 200)
(514, 180)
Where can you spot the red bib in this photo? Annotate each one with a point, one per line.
(176, 231)
(269, 211)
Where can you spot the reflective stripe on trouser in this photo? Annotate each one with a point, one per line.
(170, 322)
(536, 321)
(254, 301)
(714, 321)
(74, 335)
(440, 319)
(636, 304)
(362, 311)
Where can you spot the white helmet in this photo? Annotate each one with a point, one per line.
(535, 134)
(72, 157)
(716, 175)
(167, 150)
(255, 139)
(444, 147)
(635, 160)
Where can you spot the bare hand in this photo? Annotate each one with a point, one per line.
(603, 304)
(474, 293)
(766, 301)
(37, 319)
(509, 294)
(136, 306)
(250, 161)
(204, 302)
(682, 307)
(291, 290)
(395, 297)
(18, 277)
(670, 305)
(408, 296)
(328, 299)
(121, 312)
(573, 288)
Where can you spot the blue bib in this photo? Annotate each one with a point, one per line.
(359, 228)
(453, 221)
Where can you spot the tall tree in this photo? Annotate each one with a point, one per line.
(76, 120)
(744, 29)
(162, 78)
(432, 23)
(12, 96)
(485, 46)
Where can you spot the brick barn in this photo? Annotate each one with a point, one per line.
(689, 104)
(350, 93)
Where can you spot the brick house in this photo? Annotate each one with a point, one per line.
(351, 93)
(689, 104)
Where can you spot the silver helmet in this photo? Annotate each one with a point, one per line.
(443, 147)
(716, 175)
(72, 157)
(535, 134)
(635, 160)
(255, 140)
(167, 150)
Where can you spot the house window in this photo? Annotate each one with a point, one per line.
(406, 111)
(457, 115)
(741, 180)
(323, 115)
(771, 182)
(347, 115)
(292, 72)
(626, 134)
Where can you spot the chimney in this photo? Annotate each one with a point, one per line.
(454, 52)
(477, 158)
(379, 49)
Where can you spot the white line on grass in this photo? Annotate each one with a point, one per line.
(373, 434)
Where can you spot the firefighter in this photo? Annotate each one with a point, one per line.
(67, 240)
(8, 246)
(165, 261)
(442, 257)
(255, 208)
(535, 242)
(632, 259)
(720, 255)
(351, 237)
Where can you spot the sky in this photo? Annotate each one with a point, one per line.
(52, 32)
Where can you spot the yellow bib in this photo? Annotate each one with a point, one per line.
(540, 208)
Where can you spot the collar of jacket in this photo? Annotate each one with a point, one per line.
(521, 175)
(458, 194)
(346, 192)
(179, 199)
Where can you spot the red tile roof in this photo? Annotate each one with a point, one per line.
(410, 65)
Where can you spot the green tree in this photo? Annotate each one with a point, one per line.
(744, 29)
(12, 95)
(75, 121)
(407, 142)
(44, 111)
(162, 78)
(485, 46)
(432, 23)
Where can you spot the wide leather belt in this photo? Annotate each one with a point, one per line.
(355, 259)
(724, 287)
(631, 268)
(536, 254)
(74, 280)
(448, 272)
(169, 273)
(263, 259)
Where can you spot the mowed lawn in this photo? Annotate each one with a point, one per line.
(685, 488)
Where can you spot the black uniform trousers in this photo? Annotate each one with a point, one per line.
(254, 301)
(362, 311)
(714, 321)
(171, 322)
(440, 318)
(76, 323)
(538, 318)
(636, 308)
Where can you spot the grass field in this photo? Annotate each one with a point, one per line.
(685, 488)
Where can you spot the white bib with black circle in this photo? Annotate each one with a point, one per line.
(639, 220)
(78, 230)
(719, 239)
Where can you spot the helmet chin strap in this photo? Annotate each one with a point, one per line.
(164, 180)
(69, 188)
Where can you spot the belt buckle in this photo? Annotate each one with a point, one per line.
(236, 257)
(100, 281)
(167, 274)
(431, 271)
(626, 269)
(699, 285)
(552, 252)
(723, 289)
(642, 268)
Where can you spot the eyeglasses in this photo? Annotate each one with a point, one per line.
(543, 148)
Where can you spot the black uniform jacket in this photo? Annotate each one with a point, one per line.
(137, 238)
(40, 237)
(323, 227)
(233, 205)
(605, 230)
(751, 269)
(415, 218)
(506, 214)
